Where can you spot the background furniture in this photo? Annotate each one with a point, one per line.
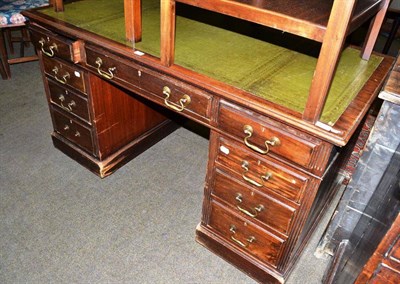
(270, 171)
(13, 29)
(393, 14)
(366, 214)
(383, 266)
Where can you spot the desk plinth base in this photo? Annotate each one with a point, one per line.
(245, 263)
(253, 267)
(107, 166)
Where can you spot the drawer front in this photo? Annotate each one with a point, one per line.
(245, 235)
(385, 275)
(264, 136)
(394, 255)
(262, 173)
(52, 45)
(178, 96)
(111, 67)
(65, 74)
(171, 93)
(68, 101)
(73, 131)
(252, 203)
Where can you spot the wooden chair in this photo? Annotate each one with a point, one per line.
(12, 30)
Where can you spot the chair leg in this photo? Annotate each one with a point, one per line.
(2, 70)
(9, 40)
(5, 68)
(22, 49)
(22, 42)
(25, 37)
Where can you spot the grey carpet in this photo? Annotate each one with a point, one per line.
(59, 223)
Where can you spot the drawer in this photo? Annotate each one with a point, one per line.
(173, 94)
(262, 173)
(64, 73)
(243, 234)
(111, 67)
(384, 275)
(264, 136)
(52, 45)
(394, 255)
(177, 95)
(68, 101)
(253, 203)
(72, 130)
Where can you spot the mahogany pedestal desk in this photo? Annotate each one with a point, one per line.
(270, 168)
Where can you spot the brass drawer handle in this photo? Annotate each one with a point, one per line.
(70, 105)
(109, 74)
(254, 212)
(274, 141)
(51, 48)
(63, 79)
(77, 134)
(266, 177)
(249, 240)
(183, 102)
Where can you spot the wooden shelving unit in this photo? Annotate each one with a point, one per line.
(328, 22)
(304, 17)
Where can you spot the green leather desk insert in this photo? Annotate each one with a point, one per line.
(274, 73)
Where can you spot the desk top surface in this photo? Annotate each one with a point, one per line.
(278, 75)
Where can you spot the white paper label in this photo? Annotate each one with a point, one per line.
(224, 150)
(138, 52)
